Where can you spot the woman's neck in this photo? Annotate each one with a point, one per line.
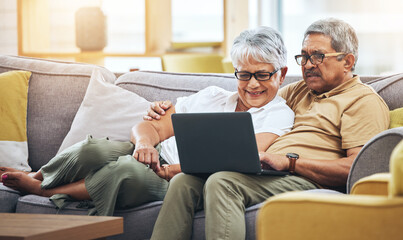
(240, 107)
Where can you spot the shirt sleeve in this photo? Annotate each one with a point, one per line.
(373, 115)
(206, 99)
(279, 119)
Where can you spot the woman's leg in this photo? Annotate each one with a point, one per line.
(184, 197)
(27, 184)
(77, 161)
(65, 172)
(124, 183)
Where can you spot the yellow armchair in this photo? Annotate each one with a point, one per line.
(304, 215)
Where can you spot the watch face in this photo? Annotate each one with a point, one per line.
(292, 155)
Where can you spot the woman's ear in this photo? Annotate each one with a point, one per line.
(349, 62)
(283, 73)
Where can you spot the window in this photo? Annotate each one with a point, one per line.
(55, 21)
(197, 21)
(378, 23)
(8, 27)
(126, 25)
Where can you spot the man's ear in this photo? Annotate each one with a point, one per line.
(283, 73)
(349, 62)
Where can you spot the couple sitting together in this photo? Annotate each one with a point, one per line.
(313, 128)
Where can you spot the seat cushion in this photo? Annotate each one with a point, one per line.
(138, 221)
(8, 199)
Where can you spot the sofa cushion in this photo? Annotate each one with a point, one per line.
(106, 111)
(13, 119)
(389, 88)
(56, 90)
(374, 156)
(139, 221)
(396, 118)
(8, 199)
(155, 86)
(395, 188)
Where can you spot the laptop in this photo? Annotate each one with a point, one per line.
(213, 142)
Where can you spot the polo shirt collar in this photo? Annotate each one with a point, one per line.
(342, 87)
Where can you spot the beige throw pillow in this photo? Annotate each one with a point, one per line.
(106, 111)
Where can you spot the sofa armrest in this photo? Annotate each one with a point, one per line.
(302, 215)
(376, 184)
(374, 156)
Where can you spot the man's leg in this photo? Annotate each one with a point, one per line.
(184, 197)
(227, 194)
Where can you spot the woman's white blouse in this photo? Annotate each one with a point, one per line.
(275, 117)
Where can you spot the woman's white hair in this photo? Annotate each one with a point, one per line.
(263, 44)
(344, 38)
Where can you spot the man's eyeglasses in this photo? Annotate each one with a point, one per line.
(260, 76)
(316, 58)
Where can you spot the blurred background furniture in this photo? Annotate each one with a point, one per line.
(90, 29)
(192, 63)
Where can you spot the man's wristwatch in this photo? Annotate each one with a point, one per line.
(292, 157)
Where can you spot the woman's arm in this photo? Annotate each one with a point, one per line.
(147, 134)
(264, 140)
(169, 171)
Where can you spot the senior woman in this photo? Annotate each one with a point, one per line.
(111, 175)
(259, 59)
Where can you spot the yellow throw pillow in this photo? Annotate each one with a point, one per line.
(396, 118)
(13, 119)
(396, 170)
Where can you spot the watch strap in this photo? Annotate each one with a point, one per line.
(291, 167)
(292, 157)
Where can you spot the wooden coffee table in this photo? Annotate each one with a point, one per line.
(50, 226)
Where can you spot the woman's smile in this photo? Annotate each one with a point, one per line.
(254, 94)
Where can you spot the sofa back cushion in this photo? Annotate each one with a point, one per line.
(154, 86)
(390, 89)
(55, 92)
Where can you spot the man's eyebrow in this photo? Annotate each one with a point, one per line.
(313, 52)
(317, 51)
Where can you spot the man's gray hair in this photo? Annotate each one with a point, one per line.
(263, 44)
(344, 38)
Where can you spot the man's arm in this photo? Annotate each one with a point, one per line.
(324, 172)
(147, 134)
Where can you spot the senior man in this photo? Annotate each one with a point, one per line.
(335, 115)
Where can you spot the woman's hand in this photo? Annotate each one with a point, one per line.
(157, 109)
(168, 171)
(272, 161)
(148, 155)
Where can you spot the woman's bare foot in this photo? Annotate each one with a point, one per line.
(22, 182)
(9, 169)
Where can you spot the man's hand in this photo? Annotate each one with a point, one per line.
(157, 109)
(148, 155)
(272, 161)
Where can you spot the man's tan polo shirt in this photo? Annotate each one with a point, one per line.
(328, 124)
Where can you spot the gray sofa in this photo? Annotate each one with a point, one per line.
(56, 90)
